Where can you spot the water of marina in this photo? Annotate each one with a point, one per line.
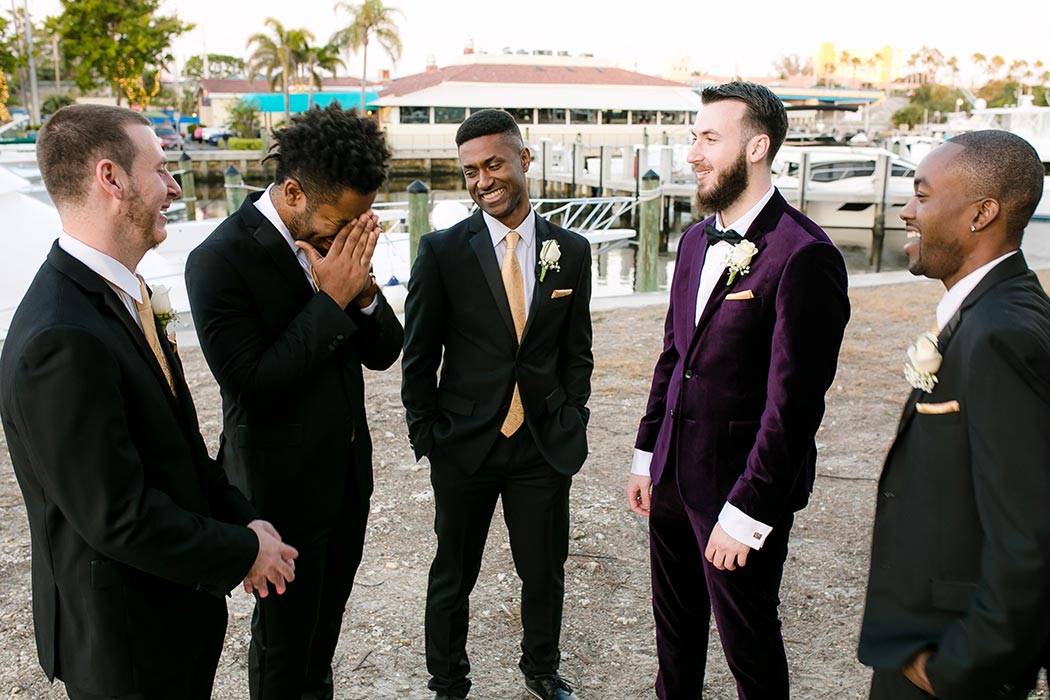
(613, 273)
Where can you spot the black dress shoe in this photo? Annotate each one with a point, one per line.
(550, 688)
(439, 696)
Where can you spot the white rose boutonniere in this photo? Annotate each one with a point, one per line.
(163, 311)
(550, 254)
(738, 260)
(923, 362)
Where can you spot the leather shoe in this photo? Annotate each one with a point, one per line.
(551, 687)
(439, 696)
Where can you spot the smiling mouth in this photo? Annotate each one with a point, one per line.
(494, 194)
(912, 233)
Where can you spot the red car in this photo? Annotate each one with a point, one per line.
(169, 138)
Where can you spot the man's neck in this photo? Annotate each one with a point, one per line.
(83, 226)
(756, 189)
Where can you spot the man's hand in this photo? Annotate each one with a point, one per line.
(274, 564)
(343, 272)
(915, 671)
(639, 489)
(725, 552)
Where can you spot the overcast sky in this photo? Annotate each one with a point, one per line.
(720, 38)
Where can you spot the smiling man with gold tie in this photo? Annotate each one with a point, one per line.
(501, 302)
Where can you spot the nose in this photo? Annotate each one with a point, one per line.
(908, 210)
(484, 180)
(173, 187)
(695, 155)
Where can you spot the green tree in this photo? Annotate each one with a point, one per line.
(275, 55)
(244, 119)
(123, 43)
(315, 59)
(54, 103)
(218, 66)
(792, 64)
(912, 115)
(370, 21)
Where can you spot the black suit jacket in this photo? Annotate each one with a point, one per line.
(456, 302)
(288, 362)
(961, 548)
(124, 503)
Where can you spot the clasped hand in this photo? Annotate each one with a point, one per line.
(275, 563)
(343, 272)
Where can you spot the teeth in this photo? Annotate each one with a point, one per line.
(914, 234)
(493, 195)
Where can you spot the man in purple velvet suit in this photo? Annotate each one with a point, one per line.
(725, 452)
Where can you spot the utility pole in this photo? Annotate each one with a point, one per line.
(34, 113)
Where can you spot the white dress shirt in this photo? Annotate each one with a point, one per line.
(524, 251)
(265, 206)
(122, 280)
(954, 297)
(734, 521)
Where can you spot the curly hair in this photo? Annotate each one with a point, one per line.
(329, 150)
(765, 111)
(486, 122)
(1005, 167)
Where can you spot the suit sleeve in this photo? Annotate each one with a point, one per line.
(424, 330)
(88, 465)
(812, 308)
(1006, 406)
(258, 373)
(576, 360)
(379, 335)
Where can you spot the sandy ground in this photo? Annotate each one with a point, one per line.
(608, 641)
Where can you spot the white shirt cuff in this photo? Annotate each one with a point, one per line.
(368, 310)
(742, 527)
(640, 463)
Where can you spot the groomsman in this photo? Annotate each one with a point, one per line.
(958, 600)
(137, 535)
(725, 453)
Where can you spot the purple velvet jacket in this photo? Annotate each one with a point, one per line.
(737, 399)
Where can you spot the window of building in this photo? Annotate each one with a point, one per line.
(643, 117)
(449, 115)
(614, 116)
(415, 115)
(584, 116)
(674, 117)
(552, 116)
(522, 115)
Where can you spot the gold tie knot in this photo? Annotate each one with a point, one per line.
(512, 239)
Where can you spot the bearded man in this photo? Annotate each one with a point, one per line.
(725, 453)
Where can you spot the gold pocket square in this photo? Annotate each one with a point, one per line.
(746, 294)
(937, 409)
(559, 293)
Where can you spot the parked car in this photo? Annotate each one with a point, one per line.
(214, 134)
(169, 138)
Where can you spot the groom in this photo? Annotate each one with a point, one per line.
(725, 453)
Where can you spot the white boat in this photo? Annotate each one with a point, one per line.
(843, 185)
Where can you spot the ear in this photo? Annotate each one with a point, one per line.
(757, 148)
(987, 212)
(293, 194)
(111, 178)
(526, 158)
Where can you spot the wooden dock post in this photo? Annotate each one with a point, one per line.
(418, 216)
(803, 181)
(189, 186)
(235, 192)
(648, 234)
(883, 169)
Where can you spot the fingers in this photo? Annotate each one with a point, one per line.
(311, 253)
(639, 493)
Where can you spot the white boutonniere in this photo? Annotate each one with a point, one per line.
(162, 308)
(550, 254)
(923, 362)
(738, 260)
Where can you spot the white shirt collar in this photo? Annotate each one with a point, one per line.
(265, 206)
(954, 297)
(742, 224)
(109, 269)
(526, 229)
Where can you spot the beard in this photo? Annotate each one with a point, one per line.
(299, 225)
(140, 222)
(724, 192)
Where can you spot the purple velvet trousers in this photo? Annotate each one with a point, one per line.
(687, 589)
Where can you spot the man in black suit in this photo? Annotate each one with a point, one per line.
(959, 590)
(287, 315)
(505, 294)
(137, 535)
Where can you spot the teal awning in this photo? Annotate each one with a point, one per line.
(298, 101)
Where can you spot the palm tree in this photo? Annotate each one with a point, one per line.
(275, 56)
(319, 58)
(371, 20)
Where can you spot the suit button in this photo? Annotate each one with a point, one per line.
(689, 374)
(339, 337)
(332, 347)
(672, 413)
(888, 494)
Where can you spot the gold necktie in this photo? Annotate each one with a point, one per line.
(512, 283)
(149, 329)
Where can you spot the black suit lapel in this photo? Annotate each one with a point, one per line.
(275, 245)
(481, 242)
(539, 294)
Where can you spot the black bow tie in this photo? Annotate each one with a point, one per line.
(714, 235)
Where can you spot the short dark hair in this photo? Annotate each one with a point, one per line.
(1005, 167)
(75, 138)
(486, 122)
(765, 111)
(329, 150)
